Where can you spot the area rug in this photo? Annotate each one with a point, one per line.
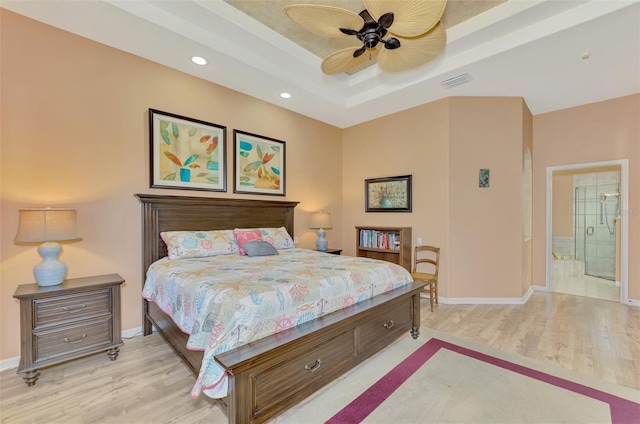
(442, 379)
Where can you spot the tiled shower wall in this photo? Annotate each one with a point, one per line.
(595, 243)
(564, 246)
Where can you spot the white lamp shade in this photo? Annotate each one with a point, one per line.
(47, 224)
(320, 220)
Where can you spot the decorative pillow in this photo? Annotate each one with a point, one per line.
(199, 244)
(278, 237)
(245, 236)
(259, 248)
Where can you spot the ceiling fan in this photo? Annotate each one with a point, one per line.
(413, 31)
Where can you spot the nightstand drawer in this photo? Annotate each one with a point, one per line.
(72, 339)
(70, 308)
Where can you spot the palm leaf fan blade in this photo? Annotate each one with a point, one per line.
(411, 17)
(343, 60)
(414, 52)
(324, 20)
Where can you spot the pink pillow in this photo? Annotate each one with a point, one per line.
(245, 236)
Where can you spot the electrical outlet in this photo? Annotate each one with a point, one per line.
(295, 240)
(419, 241)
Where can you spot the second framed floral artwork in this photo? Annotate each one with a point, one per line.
(389, 194)
(187, 153)
(259, 164)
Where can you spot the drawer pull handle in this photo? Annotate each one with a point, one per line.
(388, 325)
(74, 310)
(314, 367)
(67, 340)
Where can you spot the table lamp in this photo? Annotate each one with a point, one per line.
(321, 220)
(48, 226)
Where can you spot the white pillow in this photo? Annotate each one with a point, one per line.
(278, 237)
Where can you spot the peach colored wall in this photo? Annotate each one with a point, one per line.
(74, 133)
(603, 131)
(443, 145)
(562, 211)
(412, 142)
(486, 224)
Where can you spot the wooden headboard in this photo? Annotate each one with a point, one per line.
(175, 213)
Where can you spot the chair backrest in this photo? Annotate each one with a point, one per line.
(426, 255)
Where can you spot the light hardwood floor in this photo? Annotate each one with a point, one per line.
(148, 384)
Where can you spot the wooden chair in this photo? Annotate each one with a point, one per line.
(429, 259)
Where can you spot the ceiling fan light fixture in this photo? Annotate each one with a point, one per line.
(415, 33)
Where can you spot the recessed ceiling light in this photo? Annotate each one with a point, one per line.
(285, 95)
(199, 60)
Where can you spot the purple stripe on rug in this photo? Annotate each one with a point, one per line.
(622, 411)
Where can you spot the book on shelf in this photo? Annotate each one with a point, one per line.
(379, 240)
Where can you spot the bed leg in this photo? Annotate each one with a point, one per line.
(147, 325)
(415, 330)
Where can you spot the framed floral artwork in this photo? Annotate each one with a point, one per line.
(259, 164)
(389, 194)
(187, 153)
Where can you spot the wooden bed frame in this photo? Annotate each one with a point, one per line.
(270, 375)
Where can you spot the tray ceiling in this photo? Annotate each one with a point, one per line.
(553, 53)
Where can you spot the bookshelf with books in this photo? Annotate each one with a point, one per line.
(392, 244)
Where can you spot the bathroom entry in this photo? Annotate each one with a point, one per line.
(585, 231)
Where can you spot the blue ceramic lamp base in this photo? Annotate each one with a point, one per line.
(322, 242)
(50, 271)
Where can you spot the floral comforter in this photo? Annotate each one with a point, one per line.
(226, 301)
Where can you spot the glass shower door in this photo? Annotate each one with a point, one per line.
(580, 229)
(594, 228)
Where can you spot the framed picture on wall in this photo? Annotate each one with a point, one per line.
(187, 153)
(389, 194)
(483, 178)
(259, 164)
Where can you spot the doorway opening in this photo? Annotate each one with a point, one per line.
(587, 231)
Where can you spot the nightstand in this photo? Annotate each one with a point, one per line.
(79, 317)
(333, 251)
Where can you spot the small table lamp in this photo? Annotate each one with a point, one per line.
(48, 225)
(321, 220)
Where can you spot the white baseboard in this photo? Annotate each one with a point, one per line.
(7, 364)
(483, 300)
(632, 302)
(132, 332)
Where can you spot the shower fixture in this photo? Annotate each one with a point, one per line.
(604, 212)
